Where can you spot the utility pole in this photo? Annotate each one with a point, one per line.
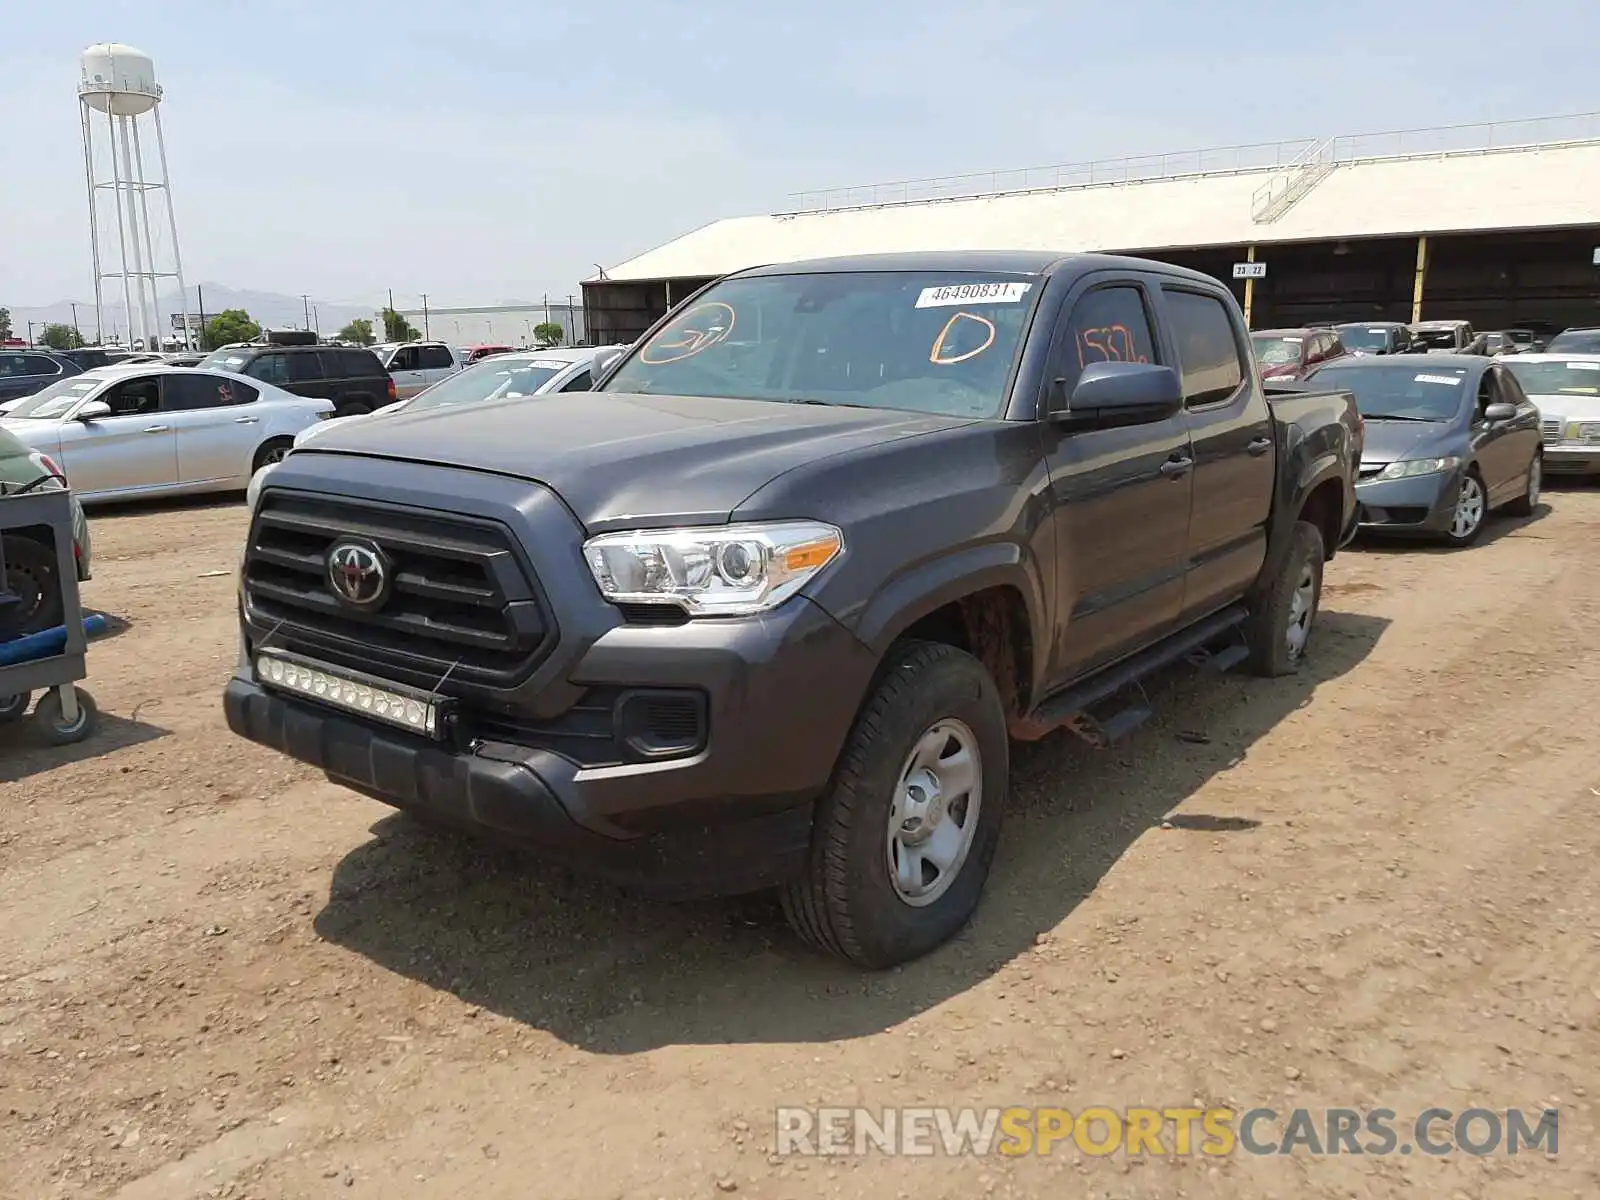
(30, 333)
(200, 295)
(76, 331)
(390, 317)
(425, 332)
(316, 322)
(305, 302)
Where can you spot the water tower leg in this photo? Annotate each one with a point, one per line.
(149, 241)
(172, 223)
(122, 233)
(94, 216)
(133, 231)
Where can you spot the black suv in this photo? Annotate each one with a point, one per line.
(351, 377)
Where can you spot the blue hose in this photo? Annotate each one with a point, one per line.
(47, 642)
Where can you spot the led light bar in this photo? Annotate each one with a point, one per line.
(361, 695)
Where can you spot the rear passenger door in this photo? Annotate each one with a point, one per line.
(216, 429)
(1121, 521)
(1230, 430)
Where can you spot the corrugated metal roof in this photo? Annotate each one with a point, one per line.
(1503, 189)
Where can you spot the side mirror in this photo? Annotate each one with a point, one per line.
(95, 410)
(1121, 391)
(1500, 412)
(604, 361)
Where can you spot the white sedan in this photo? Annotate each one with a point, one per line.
(124, 432)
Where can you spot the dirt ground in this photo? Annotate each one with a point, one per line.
(221, 976)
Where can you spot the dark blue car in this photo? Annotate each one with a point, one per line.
(1448, 438)
(24, 372)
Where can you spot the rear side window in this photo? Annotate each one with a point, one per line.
(404, 359)
(1108, 324)
(359, 364)
(1208, 349)
(38, 364)
(434, 358)
(581, 382)
(269, 368)
(305, 367)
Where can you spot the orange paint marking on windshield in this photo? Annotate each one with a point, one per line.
(689, 340)
(938, 356)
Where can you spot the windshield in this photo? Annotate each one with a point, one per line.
(1399, 391)
(226, 360)
(1557, 378)
(922, 341)
(1362, 337)
(1437, 339)
(1277, 351)
(493, 379)
(1575, 341)
(54, 401)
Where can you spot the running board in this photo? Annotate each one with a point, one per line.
(1071, 706)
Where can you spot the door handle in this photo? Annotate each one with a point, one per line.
(1175, 468)
(158, 429)
(1259, 446)
(245, 420)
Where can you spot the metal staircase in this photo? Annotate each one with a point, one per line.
(1280, 193)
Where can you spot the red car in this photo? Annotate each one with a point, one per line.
(1290, 353)
(474, 353)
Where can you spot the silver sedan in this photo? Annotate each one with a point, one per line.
(124, 432)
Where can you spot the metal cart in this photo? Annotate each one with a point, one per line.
(54, 659)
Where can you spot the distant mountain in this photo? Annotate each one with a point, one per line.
(270, 309)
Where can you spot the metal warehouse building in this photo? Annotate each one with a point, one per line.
(1496, 224)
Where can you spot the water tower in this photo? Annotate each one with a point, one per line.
(117, 86)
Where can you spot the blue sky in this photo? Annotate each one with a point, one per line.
(480, 150)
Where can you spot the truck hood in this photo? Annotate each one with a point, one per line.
(619, 459)
(1391, 441)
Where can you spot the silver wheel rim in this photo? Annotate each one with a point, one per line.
(1302, 606)
(1535, 480)
(934, 814)
(1469, 508)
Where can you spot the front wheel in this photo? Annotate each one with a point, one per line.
(1279, 628)
(902, 844)
(1471, 511)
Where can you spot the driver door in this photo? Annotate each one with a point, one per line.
(133, 450)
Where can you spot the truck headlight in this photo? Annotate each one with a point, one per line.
(253, 492)
(1407, 468)
(712, 571)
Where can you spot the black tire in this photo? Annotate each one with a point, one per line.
(13, 707)
(846, 903)
(1464, 540)
(1272, 651)
(33, 575)
(55, 728)
(1524, 504)
(271, 452)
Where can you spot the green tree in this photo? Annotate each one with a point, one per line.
(5, 324)
(61, 337)
(548, 333)
(230, 325)
(358, 331)
(396, 328)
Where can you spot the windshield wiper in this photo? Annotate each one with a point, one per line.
(1398, 417)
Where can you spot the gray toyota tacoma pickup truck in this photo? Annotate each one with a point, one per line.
(766, 608)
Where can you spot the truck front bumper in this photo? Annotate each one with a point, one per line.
(1572, 460)
(781, 693)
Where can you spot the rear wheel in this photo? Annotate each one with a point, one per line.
(272, 453)
(33, 575)
(1279, 628)
(902, 844)
(1524, 504)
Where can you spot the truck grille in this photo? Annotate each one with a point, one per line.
(461, 601)
(1550, 429)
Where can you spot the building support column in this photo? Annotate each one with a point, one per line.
(1249, 288)
(1420, 279)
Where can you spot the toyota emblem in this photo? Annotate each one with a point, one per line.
(358, 573)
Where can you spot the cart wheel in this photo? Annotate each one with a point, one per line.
(12, 707)
(56, 729)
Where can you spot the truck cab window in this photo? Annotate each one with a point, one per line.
(1208, 348)
(1108, 324)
